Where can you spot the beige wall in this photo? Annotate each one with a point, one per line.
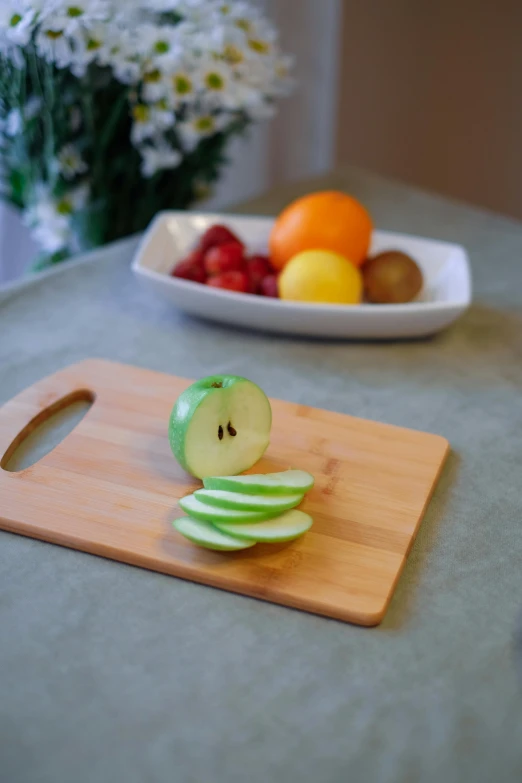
(431, 93)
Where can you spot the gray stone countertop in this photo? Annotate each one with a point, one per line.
(111, 673)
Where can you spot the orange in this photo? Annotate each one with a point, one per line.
(327, 220)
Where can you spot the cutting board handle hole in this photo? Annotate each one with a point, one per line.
(47, 430)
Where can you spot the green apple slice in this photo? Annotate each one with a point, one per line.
(222, 499)
(206, 535)
(199, 510)
(286, 527)
(284, 483)
(220, 425)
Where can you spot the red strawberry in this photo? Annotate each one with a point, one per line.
(258, 267)
(268, 286)
(196, 257)
(232, 281)
(188, 270)
(215, 236)
(224, 258)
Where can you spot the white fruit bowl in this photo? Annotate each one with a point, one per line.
(445, 296)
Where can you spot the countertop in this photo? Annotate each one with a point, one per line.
(112, 673)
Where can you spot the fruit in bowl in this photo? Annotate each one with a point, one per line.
(320, 276)
(318, 253)
(220, 260)
(328, 220)
(391, 278)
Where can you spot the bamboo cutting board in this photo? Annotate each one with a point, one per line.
(111, 488)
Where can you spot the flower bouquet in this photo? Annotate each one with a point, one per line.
(111, 110)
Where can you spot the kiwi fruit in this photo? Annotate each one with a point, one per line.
(391, 278)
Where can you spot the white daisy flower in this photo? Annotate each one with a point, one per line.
(70, 162)
(143, 126)
(193, 11)
(53, 45)
(76, 199)
(181, 84)
(71, 15)
(233, 54)
(205, 61)
(126, 68)
(198, 127)
(214, 77)
(240, 13)
(12, 124)
(52, 233)
(16, 22)
(91, 45)
(154, 86)
(50, 225)
(118, 45)
(159, 158)
(256, 74)
(162, 115)
(158, 43)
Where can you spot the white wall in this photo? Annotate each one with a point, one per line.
(16, 246)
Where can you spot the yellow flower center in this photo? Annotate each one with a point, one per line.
(152, 77)
(64, 207)
(74, 11)
(141, 113)
(232, 54)
(243, 24)
(204, 124)
(93, 45)
(214, 81)
(160, 47)
(182, 84)
(162, 105)
(54, 34)
(225, 9)
(15, 19)
(261, 47)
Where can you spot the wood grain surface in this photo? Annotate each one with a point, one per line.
(111, 488)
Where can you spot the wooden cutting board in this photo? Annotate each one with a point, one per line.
(111, 488)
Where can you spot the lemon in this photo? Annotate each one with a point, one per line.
(320, 276)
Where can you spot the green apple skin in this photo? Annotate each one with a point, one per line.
(221, 499)
(199, 433)
(198, 510)
(286, 482)
(206, 535)
(286, 527)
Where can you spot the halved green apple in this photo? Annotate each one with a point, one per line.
(285, 527)
(199, 510)
(220, 425)
(284, 483)
(222, 499)
(206, 535)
